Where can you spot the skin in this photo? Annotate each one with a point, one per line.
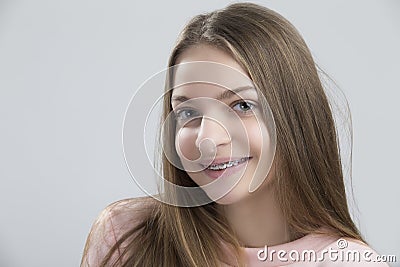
(204, 132)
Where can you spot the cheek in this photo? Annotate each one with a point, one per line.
(185, 144)
(257, 136)
(263, 150)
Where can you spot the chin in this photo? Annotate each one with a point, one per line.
(234, 196)
(225, 201)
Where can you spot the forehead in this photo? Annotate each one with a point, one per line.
(194, 91)
(207, 77)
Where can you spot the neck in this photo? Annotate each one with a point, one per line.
(257, 220)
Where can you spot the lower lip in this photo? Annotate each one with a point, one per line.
(226, 172)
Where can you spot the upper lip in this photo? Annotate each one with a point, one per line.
(207, 163)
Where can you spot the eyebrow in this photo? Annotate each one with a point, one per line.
(224, 95)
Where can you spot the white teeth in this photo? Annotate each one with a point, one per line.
(228, 164)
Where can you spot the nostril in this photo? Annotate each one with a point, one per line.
(206, 146)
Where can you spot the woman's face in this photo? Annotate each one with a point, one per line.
(221, 140)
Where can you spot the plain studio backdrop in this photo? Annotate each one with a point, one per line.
(69, 68)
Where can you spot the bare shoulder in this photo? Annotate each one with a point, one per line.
(112, 223)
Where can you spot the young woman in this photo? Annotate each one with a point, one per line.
(274, 137)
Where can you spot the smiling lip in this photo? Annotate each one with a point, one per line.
(225, 166)
(208, 163)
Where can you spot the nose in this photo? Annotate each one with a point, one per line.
(212, 131)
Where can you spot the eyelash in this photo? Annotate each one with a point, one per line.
(182, 111)
(248, 103)
(179, 112)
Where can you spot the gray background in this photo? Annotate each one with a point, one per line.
(69, 68)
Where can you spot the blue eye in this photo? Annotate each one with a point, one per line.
(184, 115)
(243, 107)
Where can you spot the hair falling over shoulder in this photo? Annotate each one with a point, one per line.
(309, 178)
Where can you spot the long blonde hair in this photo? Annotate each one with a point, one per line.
(308, 177)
